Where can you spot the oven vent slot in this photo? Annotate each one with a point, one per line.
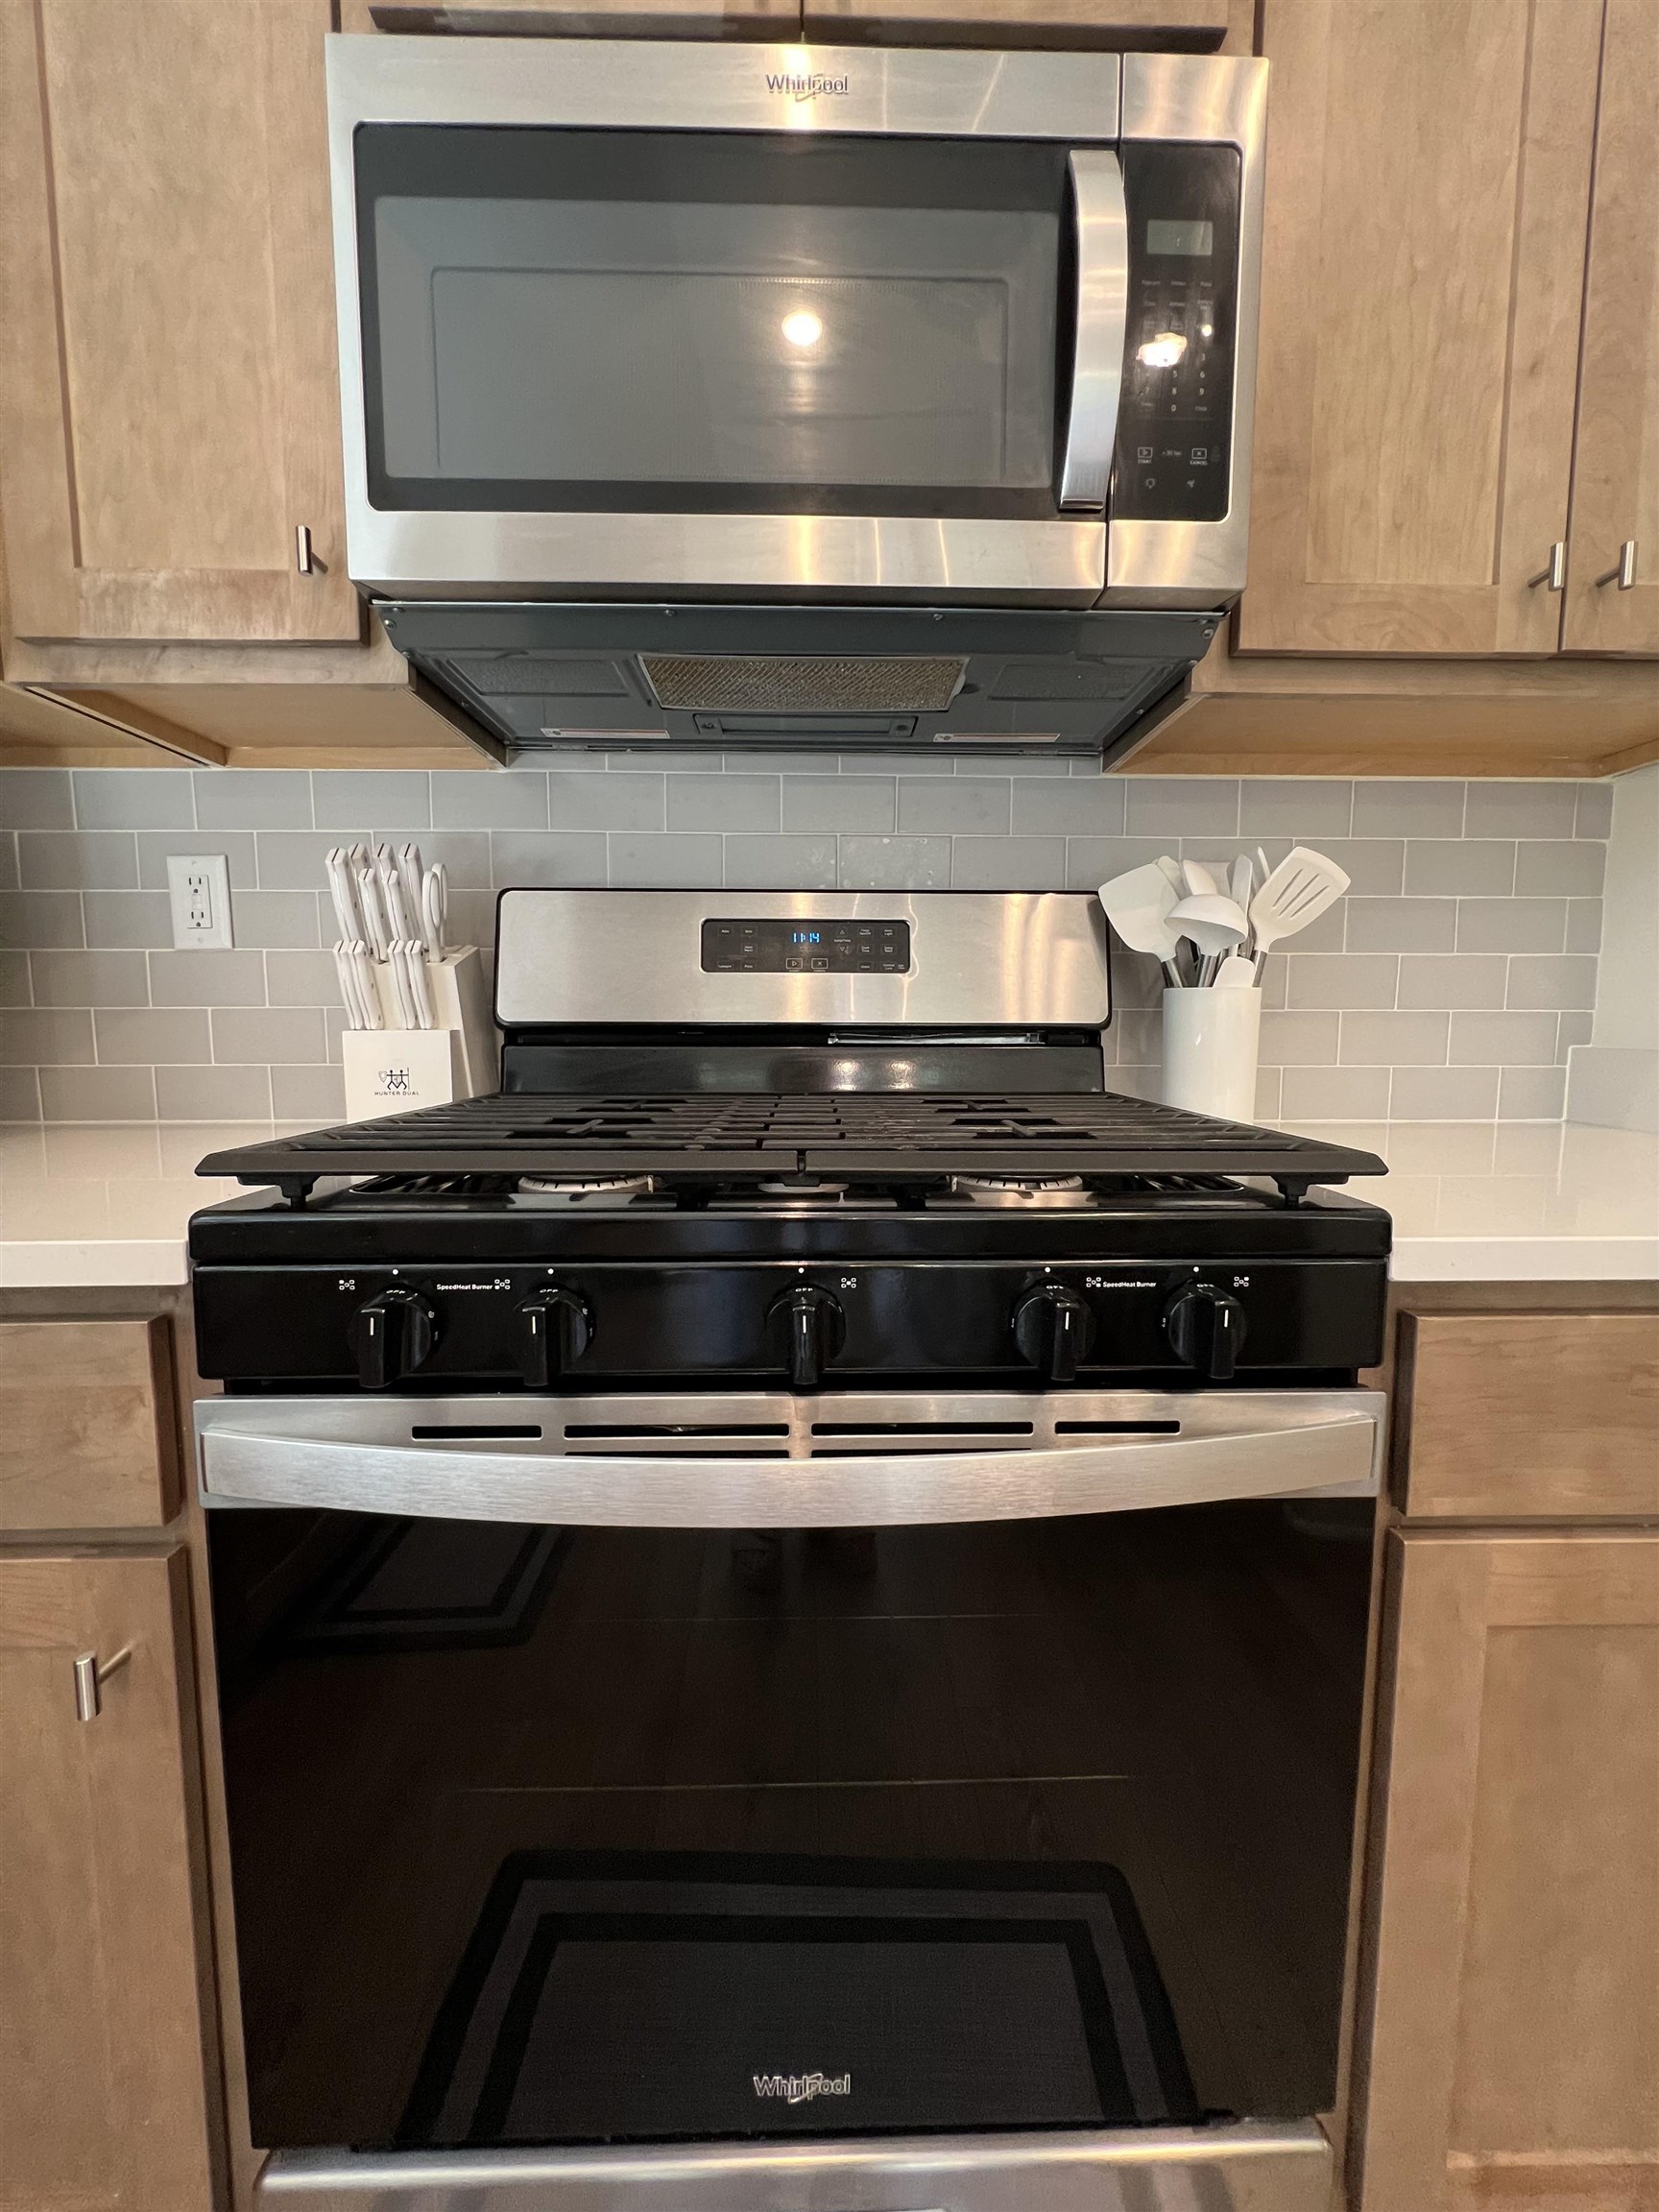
(1117, 1428)
(787, 684)
(475, 1431)
(667, 1454)
(922, 1428)
(673, 1430)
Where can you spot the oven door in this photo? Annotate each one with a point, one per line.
(726, 318)
(755, 1803)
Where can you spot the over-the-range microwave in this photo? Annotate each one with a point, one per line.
(732, 395)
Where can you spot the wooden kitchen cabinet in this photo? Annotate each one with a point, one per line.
(104, 2097)
(1615, 471)
(169, 409)
(1427, 188)
(1527, 1416)
(89, 1425)
(1509, 2053)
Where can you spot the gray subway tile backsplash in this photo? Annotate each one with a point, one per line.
(1451, 982)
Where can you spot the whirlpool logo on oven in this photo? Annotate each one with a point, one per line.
(801, 85)
(802, 2088)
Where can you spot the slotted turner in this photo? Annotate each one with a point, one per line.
(1297, 892)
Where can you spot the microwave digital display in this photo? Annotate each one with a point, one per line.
(1193, 239)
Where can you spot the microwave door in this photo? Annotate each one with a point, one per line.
(1102, 258)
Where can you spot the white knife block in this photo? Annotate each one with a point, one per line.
(393, 1069)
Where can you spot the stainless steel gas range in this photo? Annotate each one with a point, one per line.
(791, 1593)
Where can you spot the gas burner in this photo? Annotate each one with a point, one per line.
(1039, 1190)
(587, 1185)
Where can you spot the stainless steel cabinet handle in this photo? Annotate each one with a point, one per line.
(1555, 573)
(306, 558)
(1102, 314)
(1624, 571)
(91, 1679)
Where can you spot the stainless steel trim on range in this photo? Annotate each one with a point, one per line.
(1084, 101)
(1244, 2167)
(846, 1460)
(986, 960)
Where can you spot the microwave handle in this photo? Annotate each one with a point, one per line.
(1102, 260)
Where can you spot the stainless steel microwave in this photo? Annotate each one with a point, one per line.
(625, 319)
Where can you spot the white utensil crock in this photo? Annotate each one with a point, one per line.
(1210, 1039)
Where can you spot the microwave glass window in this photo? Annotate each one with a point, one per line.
(1190, 239)
(559, 318)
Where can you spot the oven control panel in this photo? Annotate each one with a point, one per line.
(795, 944)
(1175, 416)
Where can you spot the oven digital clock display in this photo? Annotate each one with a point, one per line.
(774, 946)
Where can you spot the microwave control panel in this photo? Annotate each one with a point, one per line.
(1176, 415)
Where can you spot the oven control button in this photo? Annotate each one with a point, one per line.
(392, 1335)
(1055, 1328)
(554, 1330)
(812, 1329)
(1206, 1327)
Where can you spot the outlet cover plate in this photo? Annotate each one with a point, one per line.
(199, 887)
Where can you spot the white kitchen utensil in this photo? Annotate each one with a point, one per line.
(419, 982)
(1138, 904)
(407, 1018)
(1237, 973)
(1242, 882)
(1263, 871)
(347, 982)
(1299, 890)
(378, 936)
(398, 924)
(344, 897)
(1214, 924)
(410, 871)
(435, 906)
(1172, 873)
(1211, 1043)
(1199, 880)
(367, 990)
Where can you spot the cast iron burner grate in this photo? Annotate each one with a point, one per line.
(754, 1134)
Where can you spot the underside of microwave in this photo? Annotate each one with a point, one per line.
(532, 678)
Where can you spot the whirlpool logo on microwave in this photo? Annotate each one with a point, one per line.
(802, 2088)
(808, 88)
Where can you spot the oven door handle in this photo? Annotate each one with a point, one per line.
(249, 1456)
(1101, 223)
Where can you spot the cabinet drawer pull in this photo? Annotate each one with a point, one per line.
(91, 1679)
(1555, 573)
(1623, 569)
(306, 558)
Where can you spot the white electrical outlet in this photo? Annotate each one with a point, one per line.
(200, 889)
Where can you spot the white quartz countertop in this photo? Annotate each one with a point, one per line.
(94, 1205)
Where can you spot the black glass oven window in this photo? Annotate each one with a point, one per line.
(637, 320)
(548, 1835)
(790, 946)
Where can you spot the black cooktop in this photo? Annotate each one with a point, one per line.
(731, 1134)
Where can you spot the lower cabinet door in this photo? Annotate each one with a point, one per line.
(103, 2061)
(1508, 2045)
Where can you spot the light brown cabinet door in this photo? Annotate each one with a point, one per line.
(1616, 468)
(1527, 1416)
(103, 2074)
(169, 401)
(1508, 2046)
(89, 1425)
(1428, 183)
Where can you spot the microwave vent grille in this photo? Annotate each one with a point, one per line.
(774, 684)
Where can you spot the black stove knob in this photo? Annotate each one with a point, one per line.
(1055, 1328)
(813, 1329)
(1206, 1328)
(554, 1330)
(392, 1335)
